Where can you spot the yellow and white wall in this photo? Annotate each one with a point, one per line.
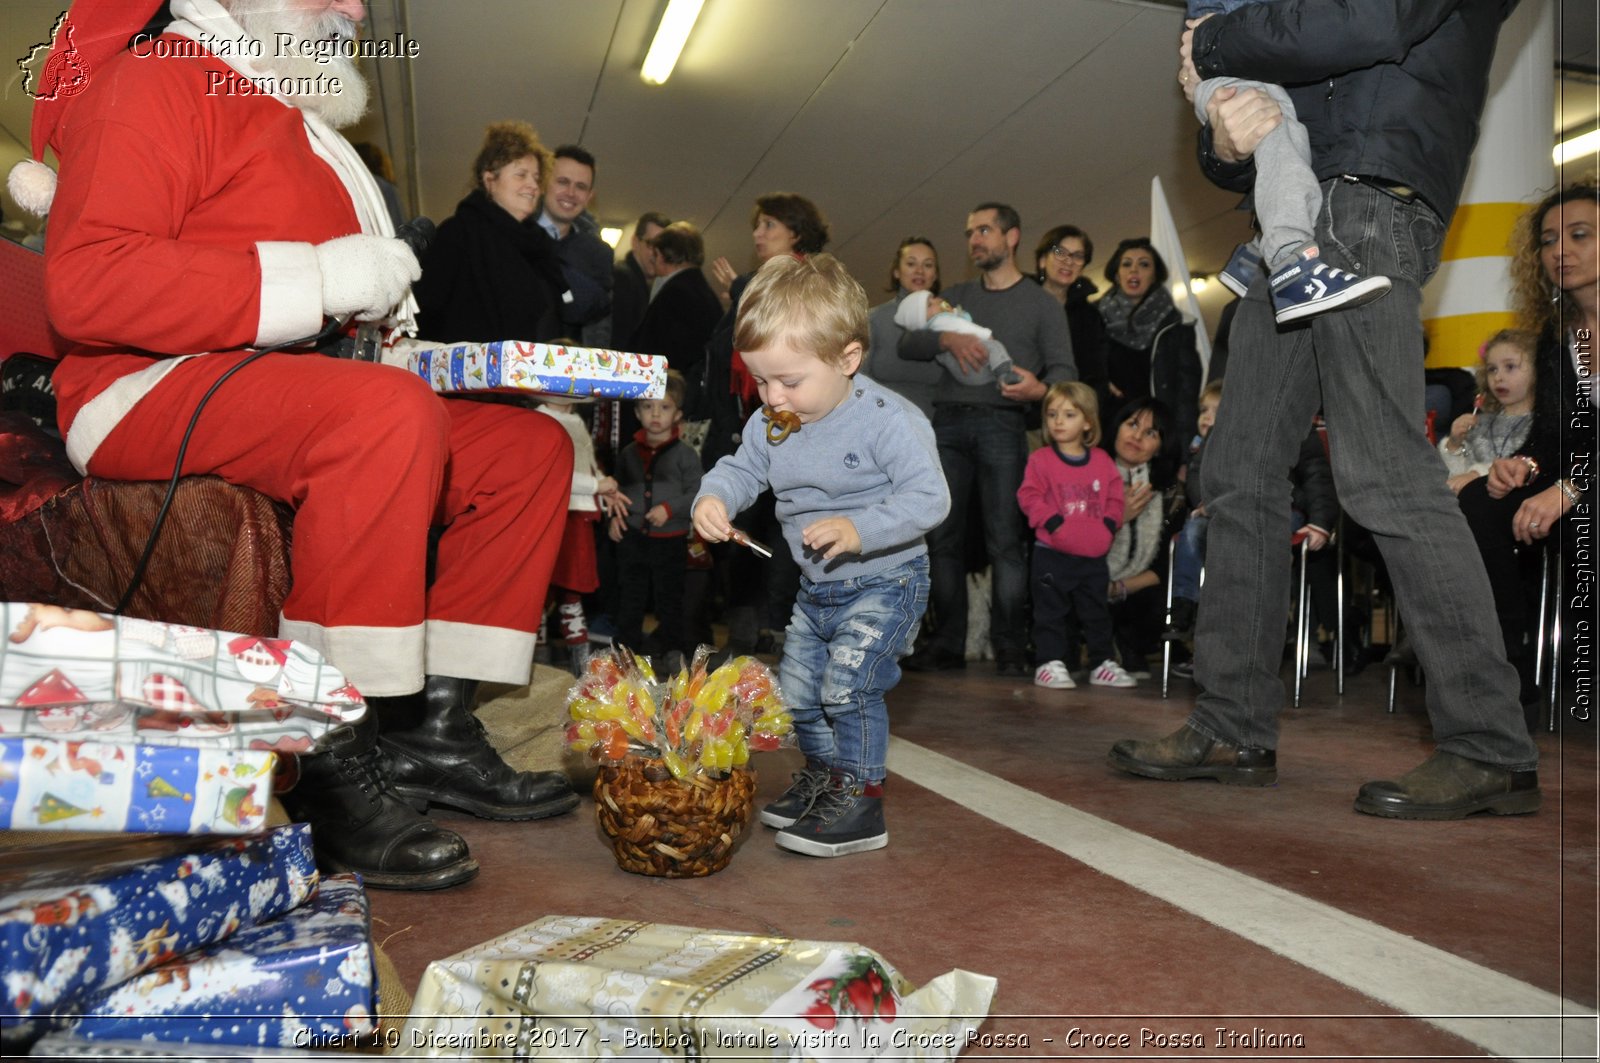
(1470, 298)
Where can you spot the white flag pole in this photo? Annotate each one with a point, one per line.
(1164, 235)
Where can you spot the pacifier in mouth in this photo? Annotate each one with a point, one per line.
(779, 424)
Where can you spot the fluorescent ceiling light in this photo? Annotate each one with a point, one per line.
(611, 235)
(676, 23)
(1577, 148)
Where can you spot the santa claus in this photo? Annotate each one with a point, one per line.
(207, 205)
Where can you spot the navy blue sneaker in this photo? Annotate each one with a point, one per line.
(796, 801)
(1243, 267)
(842, 820)
(1307, 286)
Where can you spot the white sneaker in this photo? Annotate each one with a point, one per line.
(1053, 674)
(1110, 674)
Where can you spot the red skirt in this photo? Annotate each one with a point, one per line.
(575, 563)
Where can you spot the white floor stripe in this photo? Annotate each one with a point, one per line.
(1504, 1016)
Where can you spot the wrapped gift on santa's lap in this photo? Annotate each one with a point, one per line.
(540, 368)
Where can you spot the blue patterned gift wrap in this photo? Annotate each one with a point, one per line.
(302, 980)
(51, 784)
(80, 917)
(542, 368)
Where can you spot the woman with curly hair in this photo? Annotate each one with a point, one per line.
(1526, 498)
(492, 273)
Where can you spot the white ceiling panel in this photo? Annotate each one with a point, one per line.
(895, 116)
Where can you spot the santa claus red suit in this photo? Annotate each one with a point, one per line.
(194, 218)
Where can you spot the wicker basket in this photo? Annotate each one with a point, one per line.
(661, 826)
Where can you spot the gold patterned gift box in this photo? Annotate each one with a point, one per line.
(569, 987)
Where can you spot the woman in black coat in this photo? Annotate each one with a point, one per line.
(1150, 349)
(491, 273)
(1061, 258)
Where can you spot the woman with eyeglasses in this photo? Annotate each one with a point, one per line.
(915, 269)
(1150, 349)
(1061, 258)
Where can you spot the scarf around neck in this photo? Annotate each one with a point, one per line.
(1135, 324)
(1134, 547)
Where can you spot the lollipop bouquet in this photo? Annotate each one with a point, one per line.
(673, 792)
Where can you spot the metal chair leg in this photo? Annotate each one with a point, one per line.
(1544, 602)
(1302, 651)
(1553, 693)
(1166, 619)
(1338, 631)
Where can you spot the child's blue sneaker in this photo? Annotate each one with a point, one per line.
(843, 819)
(1243, 267)
(1308, 286)
(797, 800)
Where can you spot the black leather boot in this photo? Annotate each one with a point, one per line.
(359, 824)
(439, 754)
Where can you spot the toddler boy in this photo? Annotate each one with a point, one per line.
(858, 484)
(659, 474)
(1189, 553)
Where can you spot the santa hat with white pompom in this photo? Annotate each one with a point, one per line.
(92, 32)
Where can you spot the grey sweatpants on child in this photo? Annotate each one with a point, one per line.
(1287, 195)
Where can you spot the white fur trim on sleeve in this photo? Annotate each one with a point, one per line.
(291, 292)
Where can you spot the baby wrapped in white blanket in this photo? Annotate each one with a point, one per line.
(924, 310)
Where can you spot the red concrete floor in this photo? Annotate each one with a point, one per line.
(1075, 948)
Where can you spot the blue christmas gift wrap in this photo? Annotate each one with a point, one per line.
(50, 784)
(302, 980)
(80, 917)
(543, 368)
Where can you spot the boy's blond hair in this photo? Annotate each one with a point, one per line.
(1523, 341)
(811, 304)
(1212, 391)
(677, 389)
(1083, 397)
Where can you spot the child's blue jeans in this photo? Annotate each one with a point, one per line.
(841, 654)
(1189, 558)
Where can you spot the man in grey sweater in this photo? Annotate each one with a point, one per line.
(981, 429)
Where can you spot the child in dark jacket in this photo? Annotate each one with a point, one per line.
(1071, 494)
(659, 474)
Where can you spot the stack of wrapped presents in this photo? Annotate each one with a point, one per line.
(196, 926)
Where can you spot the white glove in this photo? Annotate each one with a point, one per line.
(365, 275)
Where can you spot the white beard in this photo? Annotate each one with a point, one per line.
(265, 19)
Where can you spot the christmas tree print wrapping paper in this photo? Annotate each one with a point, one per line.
(73, 674)
(81, 917)
(568, 987)
(304, 979)
(49, 784)
(542, 368)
